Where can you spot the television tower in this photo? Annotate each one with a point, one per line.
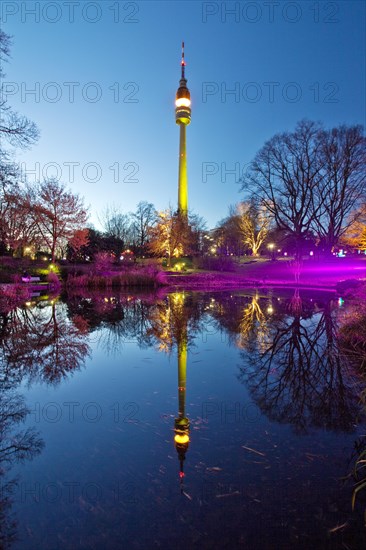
(183, 118)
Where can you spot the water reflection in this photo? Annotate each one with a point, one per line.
(169, 328)
(15, 446)
(181, 424)
(297, 375)
(291, 365)
(115, 318)
(291, 360)
(40, 343)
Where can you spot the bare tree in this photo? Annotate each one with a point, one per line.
(284, 176)
(342, 157)
(254, 223)
(143, 220)
(57, 213)
(227, 236)
(16, 129)
(8, 186)
(115, 223)
(19, 227)
(311, 180)
(196, 231)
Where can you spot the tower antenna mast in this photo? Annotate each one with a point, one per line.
(183, 63)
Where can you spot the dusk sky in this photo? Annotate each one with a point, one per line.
(281, 61)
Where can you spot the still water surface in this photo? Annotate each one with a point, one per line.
(192, 420)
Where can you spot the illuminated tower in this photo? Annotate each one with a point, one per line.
(183, 118)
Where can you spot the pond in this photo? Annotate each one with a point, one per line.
(208, 420)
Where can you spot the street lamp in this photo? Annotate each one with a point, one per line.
(271, 247)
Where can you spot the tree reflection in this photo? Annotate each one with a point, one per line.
(14, 447)
(253, 324)
(40, 343)
(245, 318)
(115, 318)
(300, 376)
(169, 322)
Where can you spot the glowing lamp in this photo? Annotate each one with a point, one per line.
(181, 439)
(183, 102)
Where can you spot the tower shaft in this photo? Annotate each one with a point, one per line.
(182, 174)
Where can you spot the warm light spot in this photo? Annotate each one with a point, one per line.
(181, 439)
(181, 474)
(183, 102)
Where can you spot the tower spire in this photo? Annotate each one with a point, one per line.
(183, 63)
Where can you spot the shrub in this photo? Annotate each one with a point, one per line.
(12, 296)
(102, 262)
(53, 280)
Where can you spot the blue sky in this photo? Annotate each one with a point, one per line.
(112, 133)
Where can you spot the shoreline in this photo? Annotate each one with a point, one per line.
(198, 281)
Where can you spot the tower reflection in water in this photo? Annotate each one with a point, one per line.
(181, 424)
(169, 327)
